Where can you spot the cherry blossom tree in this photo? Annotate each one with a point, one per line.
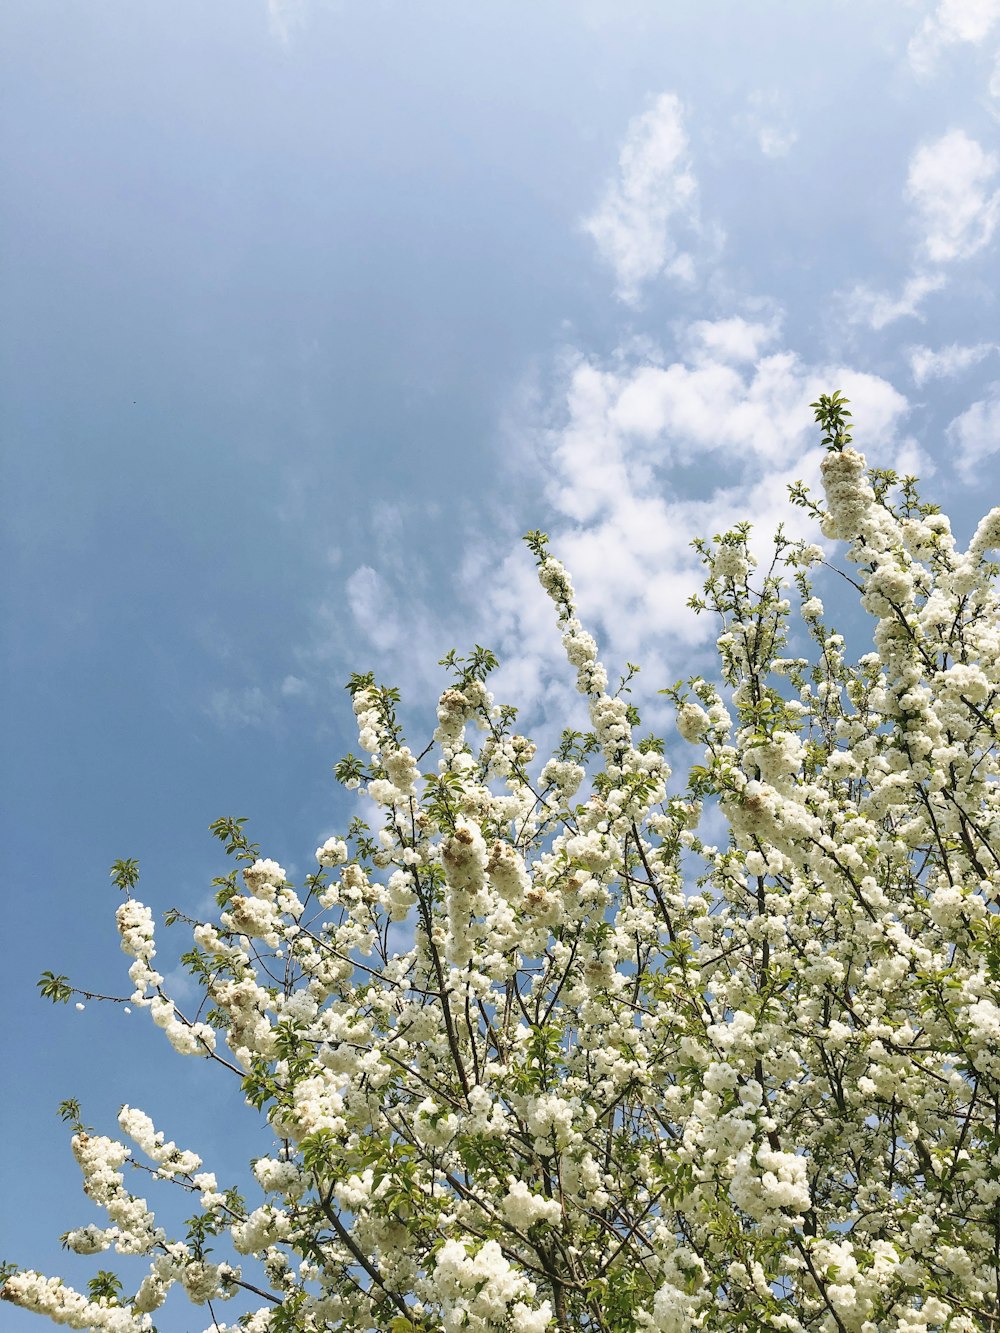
(536, 1056)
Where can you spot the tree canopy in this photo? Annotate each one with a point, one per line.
(537, 1055)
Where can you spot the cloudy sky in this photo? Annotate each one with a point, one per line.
(312, 308)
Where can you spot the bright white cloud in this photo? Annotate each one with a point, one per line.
(952, 22)
(948, 185)
(760, 416)
(975, 436)
(877, 309)
(947, 362)
(625, 533)
(618, 524)
(734, 340)
(653, 201)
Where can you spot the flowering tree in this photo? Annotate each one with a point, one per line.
(536, 1057)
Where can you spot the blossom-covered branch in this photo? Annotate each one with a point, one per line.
(536, 1056)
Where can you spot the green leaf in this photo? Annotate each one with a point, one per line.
(125, 874)
(105, 1286)
(69, 1109)
(54, 988)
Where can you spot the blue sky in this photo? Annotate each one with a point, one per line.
(312, 309)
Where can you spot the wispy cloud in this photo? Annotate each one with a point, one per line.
(947, 362)
(284, 17)
(652, 203)
(294, 687)
(865, 305)
(249, 707)
(767, 120)
(952, 22)
(371, 603)
(948, 185)
(975, 435)
(955, 214)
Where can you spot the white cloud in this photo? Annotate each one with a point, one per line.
(775, 142)
(864, 305)
(249, 707)
(766, 119)
(373, 607)
(975, 435)
(953, 21)
(654, 199)
(947, 185)
(293, 687)
(948, 362)
(405, 636)
(284, 16)
(759, 416)
(732, 340)
(734, 410)
(622, 530)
